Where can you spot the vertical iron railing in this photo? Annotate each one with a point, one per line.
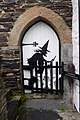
(48, 68)
(41, 82)
(46, 77)
(36, 77)
(51, 74)
(31, 74)
(56, 77)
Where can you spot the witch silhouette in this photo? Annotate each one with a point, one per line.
(38, 59)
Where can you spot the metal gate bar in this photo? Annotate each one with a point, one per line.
(47, 67)
(56, 77)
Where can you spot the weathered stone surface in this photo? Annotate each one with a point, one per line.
(20, 10)
(66, 55)
(9, 19)
(9, 1)
(10, 10)
(11, 54)
(3, 37)
(33, 15)
(3, 103)
(3, 44)
(11, 72)
(6, 25)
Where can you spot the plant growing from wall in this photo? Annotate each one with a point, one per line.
(20, 107)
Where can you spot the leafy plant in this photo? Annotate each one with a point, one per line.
(63, 108)
(23, 98)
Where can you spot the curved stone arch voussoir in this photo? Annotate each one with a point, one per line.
(33, 15)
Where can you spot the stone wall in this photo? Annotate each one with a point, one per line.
(10, 10)
(3, 103)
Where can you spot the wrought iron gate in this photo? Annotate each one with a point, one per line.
(45, 78)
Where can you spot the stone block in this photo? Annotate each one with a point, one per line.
(67, 54)
(9, 1)
(4, 30)
(20, 10)
(9, 74)
(11, 64)
(3, 44)
(3, 37)
(9, 9)
(11, 85)
(7, 25)
(7, 19)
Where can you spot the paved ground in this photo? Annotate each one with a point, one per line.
(44, 104)
(47, 107)
(32, 114)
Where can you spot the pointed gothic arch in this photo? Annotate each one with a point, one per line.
(35, 14)
(32, 16)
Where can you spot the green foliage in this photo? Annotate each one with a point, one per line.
(23, 98)
(63, 108)
(19, 109)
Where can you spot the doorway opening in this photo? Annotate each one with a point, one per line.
(41, 64)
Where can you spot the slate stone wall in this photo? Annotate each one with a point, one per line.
(3, 103)
(11, 68)
(10, 10)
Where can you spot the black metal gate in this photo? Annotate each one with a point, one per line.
(45, 78)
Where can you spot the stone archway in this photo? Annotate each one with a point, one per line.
(33, 15)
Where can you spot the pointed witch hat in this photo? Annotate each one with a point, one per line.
(44, 49)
